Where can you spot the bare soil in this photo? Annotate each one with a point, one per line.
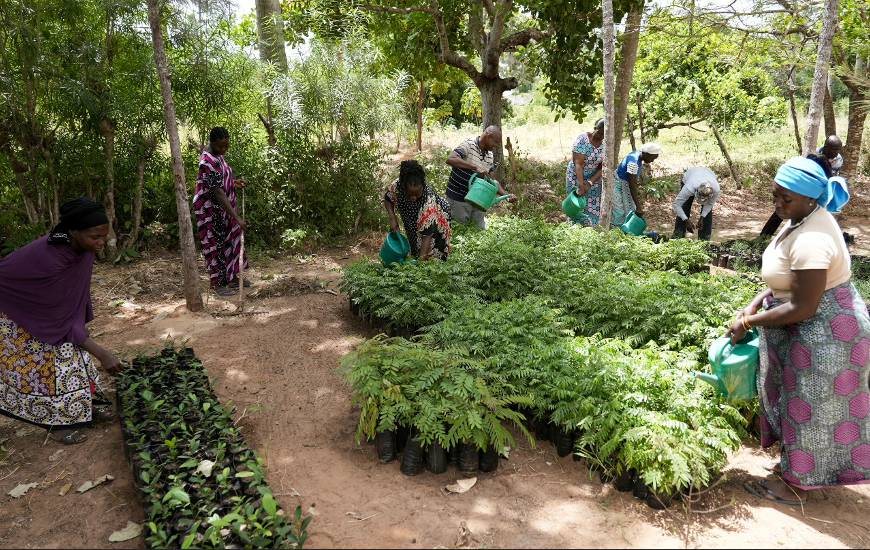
(279, 370)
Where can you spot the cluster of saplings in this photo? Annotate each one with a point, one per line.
(584, 338)
(201, 486)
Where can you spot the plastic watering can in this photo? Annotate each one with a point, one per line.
(574, 205)
(733, 367)
(394, 249)
(633, 224)
(481, 192)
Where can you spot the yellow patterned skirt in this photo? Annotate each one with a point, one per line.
(43, 384)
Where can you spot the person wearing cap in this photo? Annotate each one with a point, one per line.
(47, 375)
(814, 343)
(831, 151)
(625, 195)
(701, 186)
(472, 156)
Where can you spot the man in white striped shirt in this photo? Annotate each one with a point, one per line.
(474, 155)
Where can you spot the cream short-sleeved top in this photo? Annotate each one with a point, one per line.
(817, 244)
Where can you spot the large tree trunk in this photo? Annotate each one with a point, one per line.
(627, 58)
(490, 100)
(820, 76)
(146, 151)
(793, 109)
(852, 149)
(107, 129)
(270, 33)
(607, 163)
(828, 106)
(189, 254)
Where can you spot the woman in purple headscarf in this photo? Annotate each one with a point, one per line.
(814, 352)
(47, 376)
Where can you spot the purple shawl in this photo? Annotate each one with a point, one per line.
(46, 289)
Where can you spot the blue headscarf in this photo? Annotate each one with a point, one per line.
(806, 177)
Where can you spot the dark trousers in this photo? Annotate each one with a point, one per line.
(772, 225)
(704, 231)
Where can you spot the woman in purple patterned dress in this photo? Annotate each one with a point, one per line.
(814, 353)
(220, 226)
(587, 152)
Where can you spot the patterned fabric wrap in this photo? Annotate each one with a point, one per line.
(590, 165)
(43, 384)
(622, 201)
(428, 215)
(220, 235)
(813, 391)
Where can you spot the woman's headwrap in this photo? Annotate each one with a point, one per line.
(80, 213)
(652, 148)
(806, 177)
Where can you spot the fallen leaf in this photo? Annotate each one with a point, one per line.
(115, 303)
(54, 455)
(312, 512)
(132, 531)
(160, 316)
(205, 467)
(65, 489)
(88, 485)
(461, 486)
(21, 489)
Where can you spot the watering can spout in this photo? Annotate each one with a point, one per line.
(711, 379)
(501, 198)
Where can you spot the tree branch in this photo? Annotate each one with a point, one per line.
(392, 9)
(523, 37)
(663, 125)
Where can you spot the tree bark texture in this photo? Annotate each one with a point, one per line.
(420, 117)
(107, 129)
(828, 107)
(607, 163)
(854, 134)
(148, 145)
(820, 76)
(627, 59)
(725, 154)
(270, 33)
(793, 109)
(189, 255)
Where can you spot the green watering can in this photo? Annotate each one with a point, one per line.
(481, 192)
(633, 224)
(574, 205)
(734, 366)
(394, 249)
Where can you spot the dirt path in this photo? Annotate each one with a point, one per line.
(279, 369)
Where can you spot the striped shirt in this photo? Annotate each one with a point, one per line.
(469, 150)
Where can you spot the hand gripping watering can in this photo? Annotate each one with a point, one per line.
(394, 249)
(734, 366)
(574, 205)
(481, 192)
(633, 224)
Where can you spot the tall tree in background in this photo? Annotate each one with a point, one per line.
(627, 59)
(270, 35)
(851, 53)
(820, 77)
(189, 255)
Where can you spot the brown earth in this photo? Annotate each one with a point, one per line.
(279, 370)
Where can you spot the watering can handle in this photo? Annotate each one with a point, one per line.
(720, 351)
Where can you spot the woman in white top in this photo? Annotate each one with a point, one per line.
(814, 342)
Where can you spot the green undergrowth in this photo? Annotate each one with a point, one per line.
(594, 332)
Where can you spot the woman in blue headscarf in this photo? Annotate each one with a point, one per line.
(814, 347)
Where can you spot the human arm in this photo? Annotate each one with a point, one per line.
(456, 161)
(425, 246)
(108, 361)
(502, 191)
(807, 287)
(240, 182)
(582, 186)
(680, 201)
(224, 202)
(632, 187)
(391, 212)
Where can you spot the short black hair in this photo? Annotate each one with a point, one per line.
(218, 133)
(599, 123)
(823, 161)
(412, 173)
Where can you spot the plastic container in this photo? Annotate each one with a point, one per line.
(574, 205)
(633, 224)
(394, 249)
(734, 367)
(481, 192)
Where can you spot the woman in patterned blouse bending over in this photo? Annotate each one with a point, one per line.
(425, 215)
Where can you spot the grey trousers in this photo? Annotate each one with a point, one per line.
(461, 211)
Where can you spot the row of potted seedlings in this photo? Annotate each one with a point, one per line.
(201, 485)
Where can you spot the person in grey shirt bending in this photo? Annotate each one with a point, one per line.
(699, 185)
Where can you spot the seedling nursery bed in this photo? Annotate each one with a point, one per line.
(200, 483)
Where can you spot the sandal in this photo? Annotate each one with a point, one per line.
(69, 437)
(102, 414)
(770, 495)
(774, 466)
(223, 291)
(248, 284)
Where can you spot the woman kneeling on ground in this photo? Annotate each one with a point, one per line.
(47, 377)
(425, 215)
(815, 342)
